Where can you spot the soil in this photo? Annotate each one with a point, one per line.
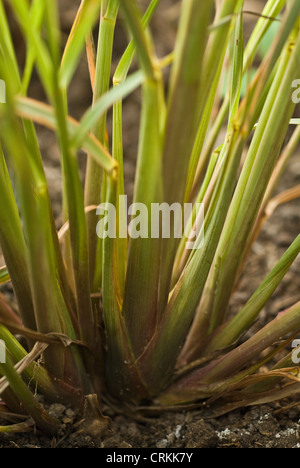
(257, 427)
(275, 425)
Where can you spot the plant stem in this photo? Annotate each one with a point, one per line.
(93, 180)
(29, 402)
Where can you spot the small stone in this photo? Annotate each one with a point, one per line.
(163, 443)
(57, 410)
(125, 445)
(70, 413)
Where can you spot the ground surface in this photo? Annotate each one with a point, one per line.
(257, 427)
(267, 426)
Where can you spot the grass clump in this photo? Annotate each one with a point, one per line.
(131, 311)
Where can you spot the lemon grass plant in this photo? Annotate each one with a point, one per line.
(105, 308)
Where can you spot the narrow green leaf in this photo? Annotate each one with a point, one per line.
(93, 176)
(14, 248)
(117, 144)
(37, 14)
(272, 9)
(126, 60)
(33, 374)
(283, 324)
(143, 269)
(237, 69)
(202, 325)
(121, 371)
(43, 58)
(257, 171)
(100, 107)
(44, 115)
(180, 134)
(4, 275)
(34, 409)
(230, 332)
(8, 50)
(84, 21)
(42, 274)
(185, 296)
(143, 45)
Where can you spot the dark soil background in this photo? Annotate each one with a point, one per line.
(267, 426)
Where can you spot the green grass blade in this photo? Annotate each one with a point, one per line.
(44, 115)
(143, 267)
(283, 324)
(4, 275)
(201, 136)
(121, 370)
(122, 241)
(37, 15)
(50, 311)
(231, 331)
(93, 176)
(186, 294)
(35, 375)
(14, 248)
(85, 19)
(180, 133)
(78, 228)
(101, 106)
(210, 301)
(272, 9)
(257, 171)
(192, 134)
(126, 60)
(8, 50)
(39, 49)
(90, 120)
(29, 402)
(117, 144)
(144, 252)
(237, 69)
(143, 45)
